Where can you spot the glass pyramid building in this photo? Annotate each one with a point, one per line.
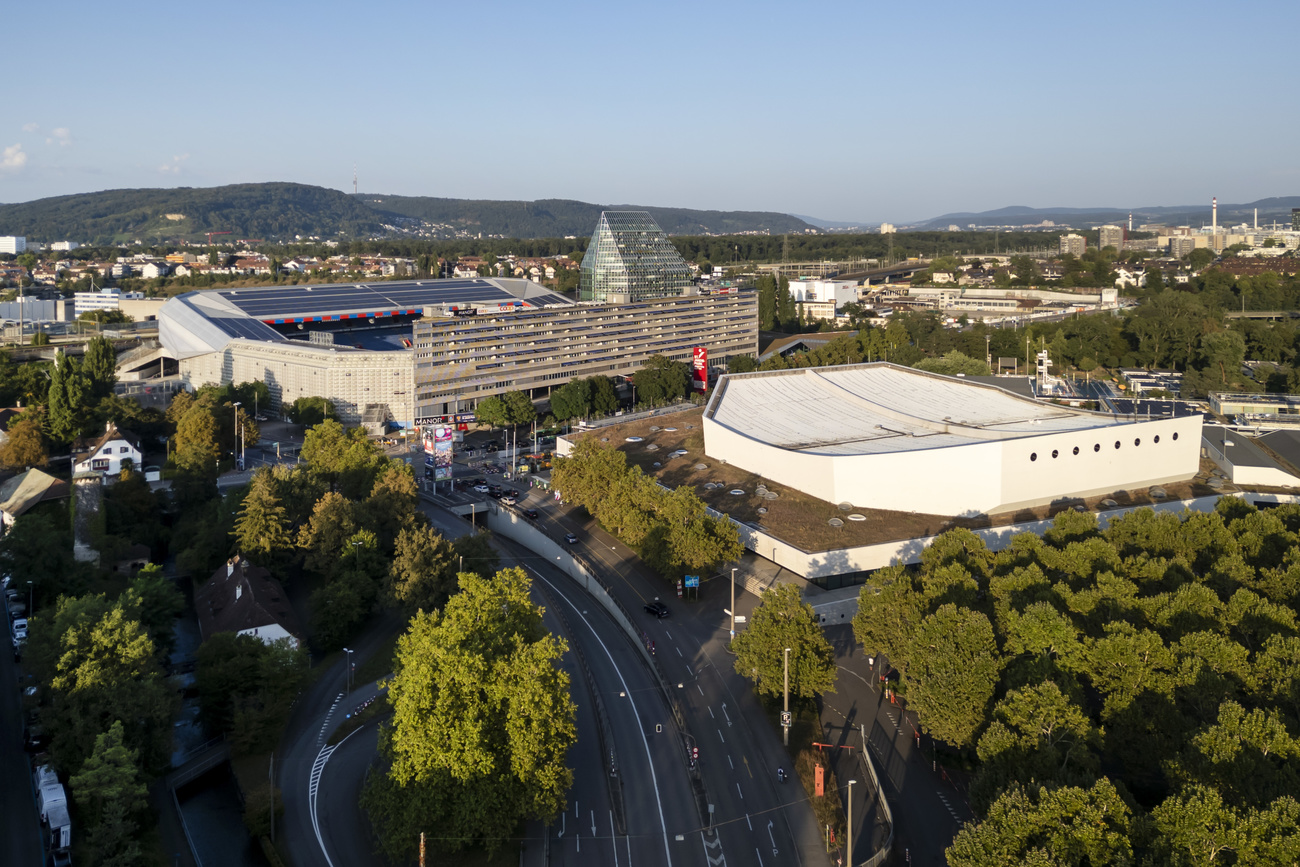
(630, 259)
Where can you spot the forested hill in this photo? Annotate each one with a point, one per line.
(558, 218)
(281, 211)
(267, 211)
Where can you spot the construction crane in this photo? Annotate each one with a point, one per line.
(210, 234)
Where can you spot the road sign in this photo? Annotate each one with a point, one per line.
(692, 580)
(786, 718)
(740, 618)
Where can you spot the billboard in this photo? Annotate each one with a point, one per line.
(442, 453)
(700, 369)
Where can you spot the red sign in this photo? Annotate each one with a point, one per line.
(820, 790)
(700, 368)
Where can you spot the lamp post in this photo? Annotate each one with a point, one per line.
(238, 435)
(849, 842)
(733, 604)
(348, 651)
(785, 707)
(31, 604)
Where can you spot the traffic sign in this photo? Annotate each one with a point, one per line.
(692, 580)
(786, 718)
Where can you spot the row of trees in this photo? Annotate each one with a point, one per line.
(1127, 692)
(671, 530)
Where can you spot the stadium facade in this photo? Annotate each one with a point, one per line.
(880, 436)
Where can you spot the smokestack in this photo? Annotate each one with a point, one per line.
(1130, 221)
(1214, 215)
(1257, 219)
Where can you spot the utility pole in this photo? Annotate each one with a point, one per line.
(733, 604)
(785, 707)
(849, 842)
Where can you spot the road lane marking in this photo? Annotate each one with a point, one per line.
(720, 737)
(721, 858)
(688, 668)
(669, 634)
(760, 857)
(679, 651)
(749, 823)
(745, 759)
(645, 741)
(700, 688)
(730, 762)
(742, 794)
(711, 716)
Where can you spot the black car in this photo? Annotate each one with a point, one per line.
(531, 514)
(657, 608)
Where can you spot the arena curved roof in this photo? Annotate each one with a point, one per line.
(880, 407)
(205, 321)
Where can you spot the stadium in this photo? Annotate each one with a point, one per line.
(348, 342)
(880, 436)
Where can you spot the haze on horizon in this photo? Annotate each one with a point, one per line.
(839, 110)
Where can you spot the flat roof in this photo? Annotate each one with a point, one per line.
(880, 407)
(1244, 453)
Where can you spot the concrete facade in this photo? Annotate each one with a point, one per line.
(460, 360)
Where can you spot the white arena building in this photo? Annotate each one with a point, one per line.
(881, 436)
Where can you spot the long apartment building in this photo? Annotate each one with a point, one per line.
(459, 360)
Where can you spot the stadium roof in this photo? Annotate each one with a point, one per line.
(201, 322)
(876, 408)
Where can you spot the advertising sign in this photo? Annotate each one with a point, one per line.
(700, 369)
(442, 453)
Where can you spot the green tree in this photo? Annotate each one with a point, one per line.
(25, 447)
(111, 775)
(262, 531)
(67, 398)
(662, 380)
(99, 366)
(482, 721)
(1195, 827)
(492, 411)
(157, 603)
(519, 408)
(311, 411)
(953, 673)
(391, 506)
(604, 400)
(324, 537)
(572, 400)
(423, 572)
(247, 688)
(474, 553)
(767, 314)
(741, 364)
(952, 363)
(784, 620)
(342, 458)
(1064, 827)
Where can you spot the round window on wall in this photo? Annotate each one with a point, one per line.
(1054, 453)
(1156, 439)
(1033, 456)
(1137, 441)
(1076, 450)
(1096, 447)
(1116, 443)
(1175, 436)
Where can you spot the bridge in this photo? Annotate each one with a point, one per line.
(1264, 314)
(869, 270)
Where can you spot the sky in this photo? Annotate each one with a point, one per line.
(849, 111)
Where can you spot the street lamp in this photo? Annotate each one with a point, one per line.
(31, 605)
(785, 708)
(348, 651)
(849, 843)
(733, 604)
(239, 435)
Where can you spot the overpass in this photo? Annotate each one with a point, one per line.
(853, 269)
(1264, 314)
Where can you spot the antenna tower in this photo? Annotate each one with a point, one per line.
(354, 179)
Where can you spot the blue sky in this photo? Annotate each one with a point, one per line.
(844, 111)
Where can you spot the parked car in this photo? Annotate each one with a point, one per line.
(482, 489)
(657, 608)
(509, 499)
(570, 538)
(20, 629)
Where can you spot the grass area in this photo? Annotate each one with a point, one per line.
(801, 520)
(379, 663)
(379, 707)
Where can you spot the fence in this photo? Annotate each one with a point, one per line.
(882, 854)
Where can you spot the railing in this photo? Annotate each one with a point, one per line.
(882, 855)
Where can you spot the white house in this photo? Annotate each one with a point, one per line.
(106, 454)
(245, 599)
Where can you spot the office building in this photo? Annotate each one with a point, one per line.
(1295, 219)
(630, 260)
(12, 245)
(1111, 236)
(1073, 244)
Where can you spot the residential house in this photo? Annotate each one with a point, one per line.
(107, 453)
(245, 599)
(26, 490)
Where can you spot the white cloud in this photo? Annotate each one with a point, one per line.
(31, 127)
(173, 167)
(13, 158)
(61, 136)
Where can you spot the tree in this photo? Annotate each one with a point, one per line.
(343, 459)
(311, 411)
(391, 506)
(25, 447)
(741, 364)
(784, 620)
(99, 366)
(952, 363)
(519, 408)
(572, 400)
(1223, 351)
(1062, 827)
(247, 688)
(1199, 258)
(492, 412)
(262, 531)
(67, 398)
(423, 571)
(662, 380)
(157, 603)
(110, 776)
(474, 553)
(333, 522)
(953, 673)
(482, 721)
(767, 303)
(604, 400)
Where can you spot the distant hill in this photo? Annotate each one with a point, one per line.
(1277, 208)
(282, 211)
(557, 218)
